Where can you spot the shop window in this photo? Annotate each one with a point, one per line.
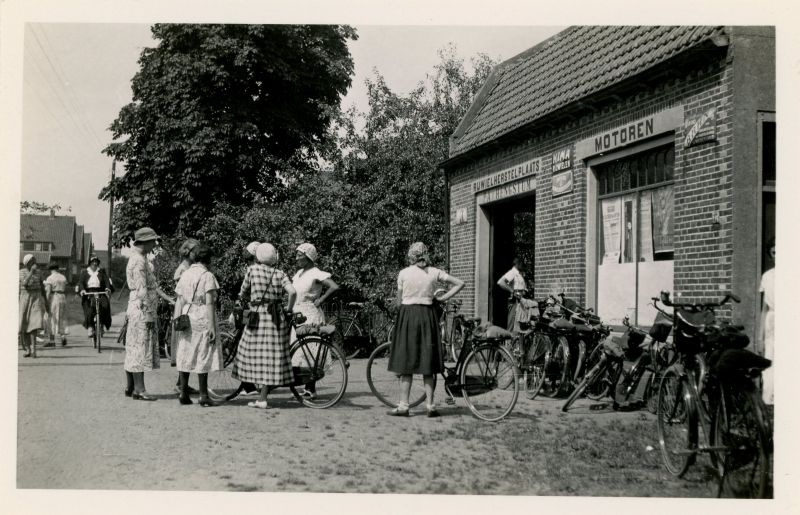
(635, 260)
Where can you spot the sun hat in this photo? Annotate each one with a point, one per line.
(309, 250)
(417, 252)
(266, 253)
(27, 259)
(252, 246)
(145, 234)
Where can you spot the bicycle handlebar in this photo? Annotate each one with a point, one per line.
(695, 306)
(94, 293)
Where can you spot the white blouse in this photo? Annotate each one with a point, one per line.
(418, 284)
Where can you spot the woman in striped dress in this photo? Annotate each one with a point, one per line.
(263, 354)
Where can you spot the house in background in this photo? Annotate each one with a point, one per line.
(79, 256)
(55, 238)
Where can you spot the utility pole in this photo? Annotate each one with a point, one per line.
(111, 213)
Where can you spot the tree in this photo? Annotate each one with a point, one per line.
(381, 193)
(227, 114)
(33, 207)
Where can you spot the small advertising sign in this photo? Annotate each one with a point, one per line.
(562, 159)
(703, 129)
(562, 183)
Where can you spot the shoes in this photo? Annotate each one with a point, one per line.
(185, 400)
(189, 390)
(398, 412)
(249, 394)
(142, 397)
(27, 355)
(308, 395)
(205, 402)
(258, 404)
(128, 393)
(433, 413)
(63, 342)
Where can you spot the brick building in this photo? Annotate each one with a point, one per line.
(621, 161)
(55, 239)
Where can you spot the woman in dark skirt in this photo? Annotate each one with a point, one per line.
(416, 347)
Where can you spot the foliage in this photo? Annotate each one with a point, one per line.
(33, 207)
(380, 194)
(227, 114)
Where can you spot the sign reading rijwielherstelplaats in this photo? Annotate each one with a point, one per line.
(526, 169)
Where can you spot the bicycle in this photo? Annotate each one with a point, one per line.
(350, 337)
(731, 416)
(324, 364)
(164, 323)
(484, 373)
(97, 325)
(451, 326)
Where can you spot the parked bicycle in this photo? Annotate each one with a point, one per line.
(484, 374)
(323, 365)
(724, 405)
(451, 326)
(362, 328)
(97, 337)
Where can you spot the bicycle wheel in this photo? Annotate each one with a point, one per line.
(677, 423)
(601, 386)
(456, 339)
(98, 337)
(168, 342)
(534, 364)
(322, 369)
(556, 369)
(594, 375)
(346, 335)
(739, 425)
(490, 382)
(385, 385)
(222, 386)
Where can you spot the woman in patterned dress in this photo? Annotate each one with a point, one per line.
(186, 261)
(263, 354)
(32, 306)
(141, 348)
(198, 351)
(56, 286)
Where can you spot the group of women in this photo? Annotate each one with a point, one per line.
(263, 353)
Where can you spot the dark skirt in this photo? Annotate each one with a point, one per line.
(87, 303)
(415, 341)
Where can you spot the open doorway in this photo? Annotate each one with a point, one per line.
(513, 232)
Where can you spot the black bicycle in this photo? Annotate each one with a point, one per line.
(484, 373)
(320, 363)
(97, 337)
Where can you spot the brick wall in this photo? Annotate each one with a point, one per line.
(703, 179)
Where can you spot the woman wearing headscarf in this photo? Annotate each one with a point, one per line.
(184, 251)
(416, 348)
(141, 348)
(263, 354)
(94, 279)
(197, 348)
(55, 286)
(313, 287)
(32, 305)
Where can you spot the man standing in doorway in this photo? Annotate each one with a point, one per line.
(513, 282)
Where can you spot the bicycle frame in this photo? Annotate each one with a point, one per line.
(96, 302)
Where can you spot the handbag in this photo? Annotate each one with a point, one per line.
(253, 316)
(182, 323)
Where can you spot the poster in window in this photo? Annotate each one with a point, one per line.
(645, 227)
(662, 213)
(611, 209)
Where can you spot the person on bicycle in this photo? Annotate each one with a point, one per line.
(32, 305)
(415, 347)
(514, 283)
(184, 251)
(313, 286)
(94, 279)
(197, 349)
(141, 348)
(263, 354)
(55, 286)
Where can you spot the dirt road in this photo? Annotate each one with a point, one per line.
(76, 430)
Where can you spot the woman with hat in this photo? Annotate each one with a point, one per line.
(416, 348)
(197, 348)
(94, 279)
(263, 354)
(313, 286)
(141, 348)
(184, 251)
(55, 286)
(32, 305)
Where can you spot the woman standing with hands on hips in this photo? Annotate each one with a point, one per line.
(198, 351)
(416, 348)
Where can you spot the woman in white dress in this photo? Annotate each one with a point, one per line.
(767, 290)
(313, 287)
(198, 351)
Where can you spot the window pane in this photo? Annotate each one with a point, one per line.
(670, 164)
(662, 207)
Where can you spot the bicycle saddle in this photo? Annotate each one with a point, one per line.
(562, 325)
(737, 362)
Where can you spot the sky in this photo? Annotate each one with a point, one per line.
(76, 77)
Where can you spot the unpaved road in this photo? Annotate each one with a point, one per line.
(76, 430)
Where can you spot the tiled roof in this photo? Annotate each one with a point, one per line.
(569, 66)
(58, 229)
(79, 243)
